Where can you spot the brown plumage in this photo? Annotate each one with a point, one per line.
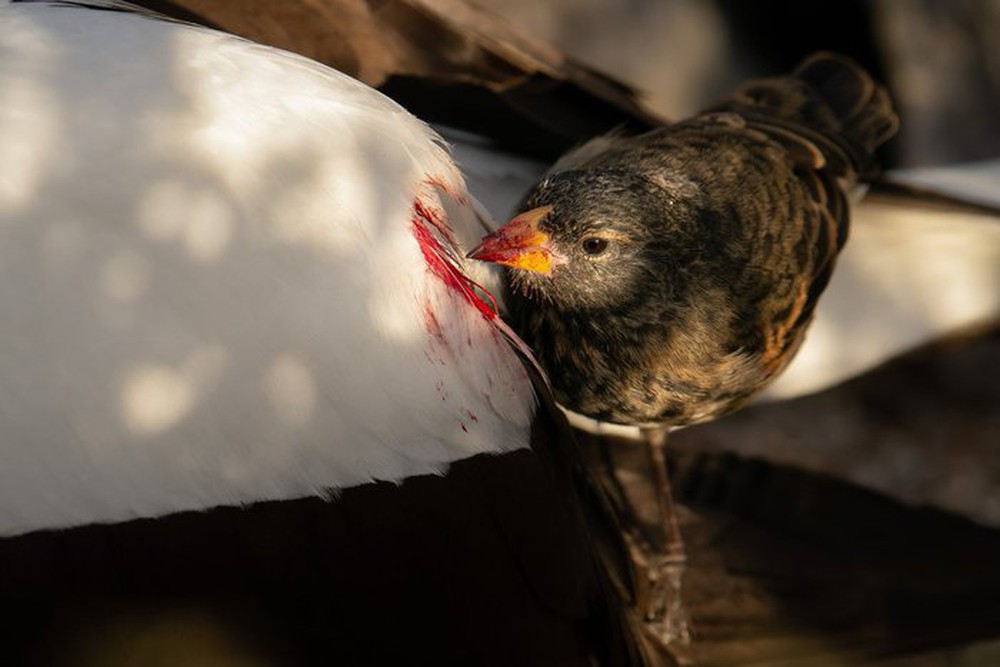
(664, 279)
(673, 274)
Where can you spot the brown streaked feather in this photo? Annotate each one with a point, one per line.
(829, 116)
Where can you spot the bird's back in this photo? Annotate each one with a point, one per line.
(828, 118)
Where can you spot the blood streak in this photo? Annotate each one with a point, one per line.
(442, 260)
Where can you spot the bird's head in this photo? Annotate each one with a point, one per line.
(588, 239)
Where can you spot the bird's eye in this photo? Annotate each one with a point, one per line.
(594, 245)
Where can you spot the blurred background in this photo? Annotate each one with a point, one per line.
(941, 58)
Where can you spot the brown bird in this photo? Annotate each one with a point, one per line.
(664, 279)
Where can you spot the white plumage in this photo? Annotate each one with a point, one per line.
(211, 285)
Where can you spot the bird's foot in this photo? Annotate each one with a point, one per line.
(667, 613)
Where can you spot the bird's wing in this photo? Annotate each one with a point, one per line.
(920, 267)
(829, 116)
(205, 239)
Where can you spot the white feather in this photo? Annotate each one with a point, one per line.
(210, 287)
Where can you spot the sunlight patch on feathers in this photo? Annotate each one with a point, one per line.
(27, 56)
(157, 397)
(26, 140)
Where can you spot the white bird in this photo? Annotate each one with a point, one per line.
(230, 275)
(204, 238)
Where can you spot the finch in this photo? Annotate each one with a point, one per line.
(664, 279)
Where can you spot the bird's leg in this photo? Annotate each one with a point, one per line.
(666, 608)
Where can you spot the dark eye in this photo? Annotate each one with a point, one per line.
(594, 245)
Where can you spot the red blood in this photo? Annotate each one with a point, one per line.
(442, 260)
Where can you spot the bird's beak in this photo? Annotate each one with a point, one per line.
(519, 243)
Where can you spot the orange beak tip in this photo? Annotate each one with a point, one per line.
(519, 252)
(518, 244)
